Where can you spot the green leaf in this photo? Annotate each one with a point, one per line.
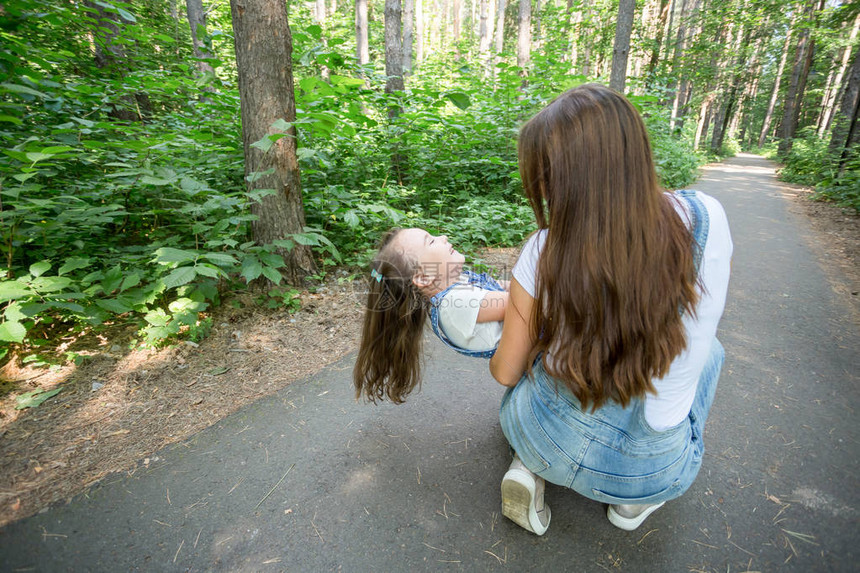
(40, 268)
(73, 264)
(351, 218)
(34, 398)
(130, 281)
(35, 156)
(459, 99)
(179, 277)
(157, 317)
(307, 239)
(10, 290)
(208, 270)
(251, 268)
(273, 275)
(113, 305)
(272, 260)
(157, 181)
(221, 258)
(22, 90)
(10, 119)
(112, 280)
(170, 255)
(12, 331)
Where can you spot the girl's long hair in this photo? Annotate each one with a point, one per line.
(617, 266)
(389, 357)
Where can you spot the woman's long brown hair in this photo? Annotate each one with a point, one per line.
(389, 356)
(617, 266)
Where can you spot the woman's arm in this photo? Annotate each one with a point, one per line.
(493, 307)
(511, 359)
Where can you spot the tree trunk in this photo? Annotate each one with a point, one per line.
(263, 46)
(457, 15)
(500, 26)
(197, 22)
(587, 20)
(483, 30)
(393, 52)
(110, 57)
(621, 47)
(797, 85)
(768, 116)
(524, 36)
(846, 117)
(362, 48)
(408, 23)
(658, 42)
(831, 95)
(419, 30)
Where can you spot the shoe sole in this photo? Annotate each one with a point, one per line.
(630, 523)
(517, 502)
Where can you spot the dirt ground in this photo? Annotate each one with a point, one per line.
(118, 407)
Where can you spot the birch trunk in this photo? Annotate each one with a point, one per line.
(362, 49)
(768, 116)
(524, 35)
(408, 36)
(828, 103)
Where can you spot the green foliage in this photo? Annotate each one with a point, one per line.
(811, 163)
(122, 189)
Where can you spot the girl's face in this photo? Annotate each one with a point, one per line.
(437, 259)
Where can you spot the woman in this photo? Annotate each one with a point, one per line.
(609, 343)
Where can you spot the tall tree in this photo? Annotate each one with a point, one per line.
(110, 58)
(408, 35)
(831, 94)
(484, 30)
(393, 51)
(658, 41)
(845, 122)
(774, 95)
(263, 44)
(500, 26)
(197, 22)
(799, 74)
(362, 48)
(524, 35)
(419, 30)
(621, 47)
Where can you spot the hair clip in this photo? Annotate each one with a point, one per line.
(376, 275)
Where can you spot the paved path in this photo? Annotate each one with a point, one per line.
(309, 480)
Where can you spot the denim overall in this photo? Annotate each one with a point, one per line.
(483, 281)
(611, 455)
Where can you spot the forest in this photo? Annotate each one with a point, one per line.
(158, 155)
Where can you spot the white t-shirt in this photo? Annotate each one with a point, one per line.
(458, 319)
(676, 390)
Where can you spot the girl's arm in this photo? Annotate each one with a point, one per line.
(493, 307)
(511, 359)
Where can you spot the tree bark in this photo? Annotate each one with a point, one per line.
(110, 57)
(621, 47)
(831, 95)
(263, 46)
(483, 30)
(768, 116)
(658, 42)
(797, 85)
(419, 30)
(524, 35)
(197, 22)
(457, 15)
(393, 51)
(500, 26)
(362, 48)
(846, 117)
(408, 26)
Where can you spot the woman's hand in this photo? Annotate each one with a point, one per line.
(511, 359)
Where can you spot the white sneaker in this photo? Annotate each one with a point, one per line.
(629, 517)
(522, 498)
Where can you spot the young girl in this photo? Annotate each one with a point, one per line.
(413, 275)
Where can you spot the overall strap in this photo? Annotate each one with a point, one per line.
(482, 280)
(701, 224)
